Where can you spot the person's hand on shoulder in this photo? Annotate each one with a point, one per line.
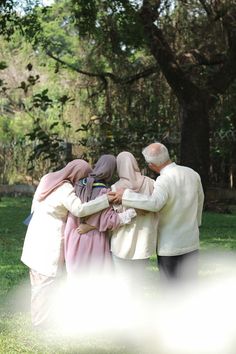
(116, 197)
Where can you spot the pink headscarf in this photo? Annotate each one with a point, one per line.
(129, 172)
(72, 172)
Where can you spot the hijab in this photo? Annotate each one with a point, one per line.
(102, 172)
(128, 172)
(72, 172)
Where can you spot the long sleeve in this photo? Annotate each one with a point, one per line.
(106, 220)
(69, 232)
(200, 203)
(109, 219)
(127, 216)
(72, 203)
(34, 201)
(153, 203)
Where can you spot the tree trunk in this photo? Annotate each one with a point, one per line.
(193, 101)
(194, 147)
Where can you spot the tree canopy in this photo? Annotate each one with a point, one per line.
(145, 70)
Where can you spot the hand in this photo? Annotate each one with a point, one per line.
(116, 197)
(84, 228)
(111, 197)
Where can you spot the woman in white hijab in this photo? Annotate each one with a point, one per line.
(133, 244)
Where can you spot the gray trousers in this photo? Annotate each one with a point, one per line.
(183, 267)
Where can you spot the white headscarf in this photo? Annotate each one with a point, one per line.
(129, 172)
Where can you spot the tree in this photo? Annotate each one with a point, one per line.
(196, 97)
(119, 46)
(33, 124)
(198, 69)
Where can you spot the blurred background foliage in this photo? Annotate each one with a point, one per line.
(80, 78)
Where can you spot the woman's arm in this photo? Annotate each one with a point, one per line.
(73, 204)
(109, 219)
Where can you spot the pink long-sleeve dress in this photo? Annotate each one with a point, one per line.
(84, 252)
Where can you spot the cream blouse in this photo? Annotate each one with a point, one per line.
(138, 239)
(43, 245)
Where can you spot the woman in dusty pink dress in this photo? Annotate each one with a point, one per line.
(91, 250)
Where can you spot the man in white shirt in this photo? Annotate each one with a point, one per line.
(178, 196)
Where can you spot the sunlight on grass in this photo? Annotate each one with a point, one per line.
(218, 243)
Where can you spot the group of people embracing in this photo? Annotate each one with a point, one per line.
(81, 222)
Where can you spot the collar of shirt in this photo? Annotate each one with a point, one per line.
(164, 169)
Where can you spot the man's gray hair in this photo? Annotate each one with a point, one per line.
(156, 153)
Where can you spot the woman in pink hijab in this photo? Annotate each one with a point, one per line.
(91, 250)
(43, 246)
(133, 244)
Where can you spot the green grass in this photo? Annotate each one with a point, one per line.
(16, 333)
(16, 336)
(12, 212)
(218, 231)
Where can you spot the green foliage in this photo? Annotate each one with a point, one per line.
(42, 101)
(85, 13)
(48, 145)
(7, 18)
(223, 138)
(17, 15)
(3, 65)
(33, 127)
(105, 40)
(130, 118)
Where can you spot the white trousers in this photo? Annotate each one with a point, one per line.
(42, 289)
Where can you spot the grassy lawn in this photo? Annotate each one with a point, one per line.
(218, 232)
(12, 231)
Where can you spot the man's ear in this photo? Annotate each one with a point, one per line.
(154, 167)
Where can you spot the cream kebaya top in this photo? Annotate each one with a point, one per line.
(43, 245)
(138, 239)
